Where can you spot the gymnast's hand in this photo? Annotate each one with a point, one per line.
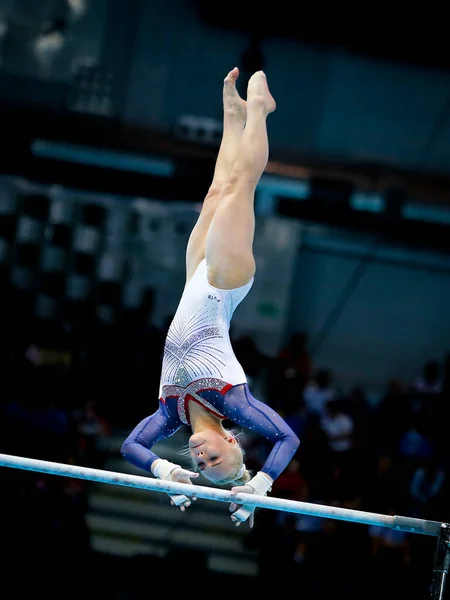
(181, 475)
(259, 484)
(163, 469)
(242, 512)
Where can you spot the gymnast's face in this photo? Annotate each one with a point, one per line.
(214, 454)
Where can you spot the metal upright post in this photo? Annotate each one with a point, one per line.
(441, 562)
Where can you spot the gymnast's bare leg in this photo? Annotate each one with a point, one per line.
(229, 241)
(234, 118)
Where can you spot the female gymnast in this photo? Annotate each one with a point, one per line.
(202, 383)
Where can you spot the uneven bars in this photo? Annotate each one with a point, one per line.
(408, 524)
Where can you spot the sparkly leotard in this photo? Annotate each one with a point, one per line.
(198, 344)
(199, 365)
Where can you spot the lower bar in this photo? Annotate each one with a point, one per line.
(211, 493)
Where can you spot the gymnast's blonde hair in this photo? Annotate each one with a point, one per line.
(241, 475)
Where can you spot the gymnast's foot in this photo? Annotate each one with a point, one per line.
(234, 107)
(258, 93)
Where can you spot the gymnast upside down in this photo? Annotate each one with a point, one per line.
(202, 382)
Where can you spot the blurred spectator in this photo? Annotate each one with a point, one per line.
(294, 359)
(314, 455)
(414, 443)
(319, 391)
(426, 485)
(430, 380)
(291, 484)
(384, 480)
(356, 405)
(92, 433)
(339, 430)
(289, 373)
(388, 418)
(296, 415)
(346, 484)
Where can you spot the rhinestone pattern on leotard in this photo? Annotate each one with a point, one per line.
(179, 392)
(190, 351)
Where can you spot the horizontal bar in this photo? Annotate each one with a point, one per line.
(149, 483)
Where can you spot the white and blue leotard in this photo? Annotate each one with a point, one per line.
(199, 365)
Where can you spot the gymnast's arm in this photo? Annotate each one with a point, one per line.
(136, 449)
(245, 410)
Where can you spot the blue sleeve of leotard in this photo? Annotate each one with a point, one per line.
(136, 449)
(243, 409)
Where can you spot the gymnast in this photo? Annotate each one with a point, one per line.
(202, 383)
